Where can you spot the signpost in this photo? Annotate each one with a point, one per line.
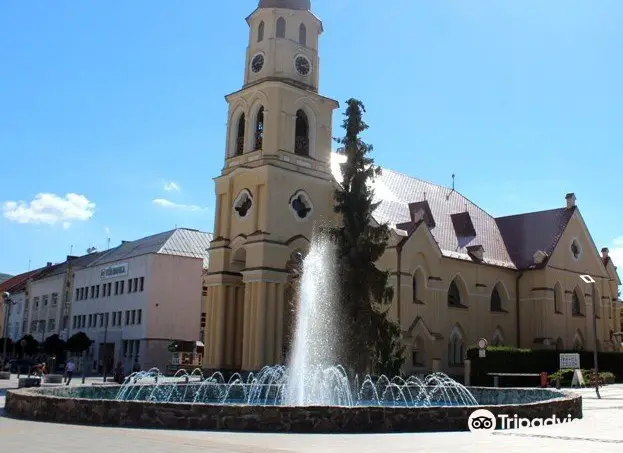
(571, 361)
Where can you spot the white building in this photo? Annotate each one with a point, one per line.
(137, 298)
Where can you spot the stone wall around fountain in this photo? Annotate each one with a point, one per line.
(97, 406)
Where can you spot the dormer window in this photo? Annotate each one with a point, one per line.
(463, 225)
(476, 252)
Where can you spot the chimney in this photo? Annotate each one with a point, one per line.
(71, 257)
(605, 253)
(49, 264)
(124, 242)
(570, 200)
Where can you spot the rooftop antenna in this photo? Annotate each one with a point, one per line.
(28, 264)
(71, 249)
(450, 193)
(108, 244)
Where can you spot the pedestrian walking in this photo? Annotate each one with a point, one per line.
(70, 367)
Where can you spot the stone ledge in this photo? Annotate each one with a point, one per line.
(28, 382)
(54, 379)
(43, 405)
(5, 375)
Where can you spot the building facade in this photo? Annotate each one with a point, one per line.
(136, 299)
(459, 274)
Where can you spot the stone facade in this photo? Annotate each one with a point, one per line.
(57, 405)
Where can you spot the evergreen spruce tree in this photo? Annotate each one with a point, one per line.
(370, 342)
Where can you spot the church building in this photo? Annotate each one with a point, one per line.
(459, 274)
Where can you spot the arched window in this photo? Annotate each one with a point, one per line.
(260, 32)
(578, 342)
(456, 348)
(240, 135)
(576, 306)
(259, 129)
(415, 289)
(301, 142)
(281, 28)
(496, 300)
(454, 295)
(303, 35)
(557, 299)
(417, 353)
(498, 338)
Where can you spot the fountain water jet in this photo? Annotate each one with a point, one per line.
(315, 336)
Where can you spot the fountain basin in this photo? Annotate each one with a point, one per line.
(97, 406)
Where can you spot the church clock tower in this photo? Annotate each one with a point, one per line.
(275, 183)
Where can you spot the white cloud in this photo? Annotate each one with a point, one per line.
(163, 203)
(50, 209)
(106, 231)
(171, 186)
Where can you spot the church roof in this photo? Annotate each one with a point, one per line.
(525, 234)
(287, 4)
(458, 225)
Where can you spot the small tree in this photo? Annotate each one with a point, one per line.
(53, 345)
(31, 346)
(369, 338)
(78, 343)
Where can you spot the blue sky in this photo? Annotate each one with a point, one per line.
(111, 101)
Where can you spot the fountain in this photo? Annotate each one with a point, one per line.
(311, 394)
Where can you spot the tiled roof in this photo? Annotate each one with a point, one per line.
(396, 191)
(180, 242)
(14, 282)
(525, 234)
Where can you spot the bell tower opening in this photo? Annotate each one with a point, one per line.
(240, 135)
(301, 145)
(259, 129)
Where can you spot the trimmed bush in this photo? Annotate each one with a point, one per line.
(505, 359)
(566, 376)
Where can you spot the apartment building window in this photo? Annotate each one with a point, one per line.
(92, 291)
(127, 317)
(139, 316)
(37, 302)
(114, 318)
(136, 284)
(125, 348)
(109, 289)
(90, 321)
(45, 300)
(54, 299)
(204, 291)
(51, 324)
(116, 288)
(129, 285)
(119, 318)
(121, 284)
(102, 318)
(133, 317)
(97, 291)
(137, 347)
(141, 284)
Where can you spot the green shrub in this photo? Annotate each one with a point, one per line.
(505, 359)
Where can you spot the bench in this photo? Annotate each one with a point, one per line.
(28, 382)
(497, 376)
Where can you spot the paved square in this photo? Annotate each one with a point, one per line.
(602, 428)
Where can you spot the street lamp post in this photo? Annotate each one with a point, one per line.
(105, 359)
(8, 302)
(591, 281)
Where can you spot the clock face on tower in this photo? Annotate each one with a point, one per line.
(257, 63)
(302, 65)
